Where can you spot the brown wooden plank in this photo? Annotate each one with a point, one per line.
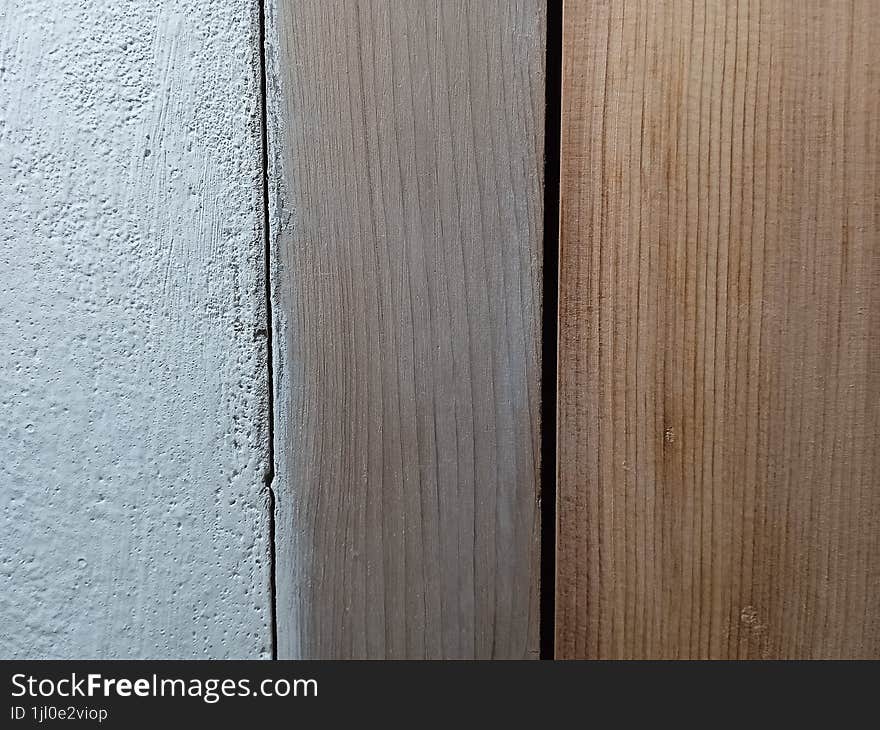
(719, 392)
(408, 141)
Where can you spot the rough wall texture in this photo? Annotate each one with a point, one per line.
(133, 510)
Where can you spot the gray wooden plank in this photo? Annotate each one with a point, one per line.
(406, 153)
(134, 520)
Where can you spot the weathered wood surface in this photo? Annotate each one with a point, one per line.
(406, 142)
(719, 409)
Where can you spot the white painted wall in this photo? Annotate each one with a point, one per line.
(133, 434)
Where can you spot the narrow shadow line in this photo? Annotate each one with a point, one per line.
(549, 325)
(267, 281)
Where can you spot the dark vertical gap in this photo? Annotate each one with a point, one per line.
(549, 325)
(270, 472)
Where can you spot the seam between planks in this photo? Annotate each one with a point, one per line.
(550, 326)
(269, 476)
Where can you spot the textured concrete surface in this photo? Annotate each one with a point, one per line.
(133, 439)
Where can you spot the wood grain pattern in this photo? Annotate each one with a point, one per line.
(408, 141)
(719, 409)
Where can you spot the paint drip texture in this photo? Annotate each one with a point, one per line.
(134, 513)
